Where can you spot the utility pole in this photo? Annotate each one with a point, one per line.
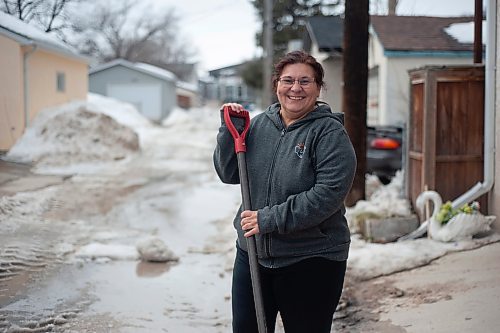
(355, 72)
(478, 31)
(268, 52)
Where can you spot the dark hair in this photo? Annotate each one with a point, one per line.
(298, 57)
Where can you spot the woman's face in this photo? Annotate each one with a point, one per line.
(297, 99)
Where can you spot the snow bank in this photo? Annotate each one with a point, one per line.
(176, 116)
(202, 119)
(370, 260)
(385, 201)
(124, 113)
(100, 130)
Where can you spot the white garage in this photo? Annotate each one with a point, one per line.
(151, 89)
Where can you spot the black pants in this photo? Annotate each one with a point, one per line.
(305, 294)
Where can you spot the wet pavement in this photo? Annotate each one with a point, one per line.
(46, 285)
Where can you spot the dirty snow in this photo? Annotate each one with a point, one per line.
(383, 202)
(157, 182)
(75, 134)
(155, 250)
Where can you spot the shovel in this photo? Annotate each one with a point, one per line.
(240, 148)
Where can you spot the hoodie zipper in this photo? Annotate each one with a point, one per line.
(267, 243)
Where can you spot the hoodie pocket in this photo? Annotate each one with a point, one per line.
(311, 233)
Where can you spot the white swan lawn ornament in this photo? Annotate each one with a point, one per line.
(461, 226)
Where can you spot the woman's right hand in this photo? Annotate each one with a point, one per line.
(234, 106)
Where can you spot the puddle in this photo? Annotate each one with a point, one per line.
(152, 269)
(191, 295)
(184, 297)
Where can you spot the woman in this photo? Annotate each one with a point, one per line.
(300, 165)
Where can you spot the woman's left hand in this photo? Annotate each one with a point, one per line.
(249, 223)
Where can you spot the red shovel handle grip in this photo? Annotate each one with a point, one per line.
(239, 138)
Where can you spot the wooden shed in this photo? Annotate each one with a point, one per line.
(446, 130)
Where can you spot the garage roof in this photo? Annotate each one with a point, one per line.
(155, 71)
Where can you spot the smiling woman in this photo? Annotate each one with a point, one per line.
(300, 165)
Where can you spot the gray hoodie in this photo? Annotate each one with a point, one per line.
(298, 179)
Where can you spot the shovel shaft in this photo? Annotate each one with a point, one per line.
(240, 149)
(252, 248)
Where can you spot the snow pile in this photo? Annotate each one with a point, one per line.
(370, 260)
(124, 113)
(98, 251)
(154, 249)
(191, 136)
(372, 184)
(176, 116)
(195, 120)
(79, 132)
(386, 201)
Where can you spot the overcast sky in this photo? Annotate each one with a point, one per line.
(223, 31)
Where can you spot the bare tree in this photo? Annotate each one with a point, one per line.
(125, 31)
(49, 15)
(107, 30)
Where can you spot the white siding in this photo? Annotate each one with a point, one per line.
(395, 108)
(145, 97)
(332, 94)
(393, 81)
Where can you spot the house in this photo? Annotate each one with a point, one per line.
(227, 84)
(185, 72)
(324, 39)
(187, 95)
(396, 45)
(151, 89)
(38, 71)
(187, 90)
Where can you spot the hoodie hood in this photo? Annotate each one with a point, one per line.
(322, 110)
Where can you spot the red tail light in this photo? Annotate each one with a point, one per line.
(384, 143)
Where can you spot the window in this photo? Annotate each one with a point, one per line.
(61, 82)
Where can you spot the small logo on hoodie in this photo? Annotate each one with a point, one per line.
(300, 148)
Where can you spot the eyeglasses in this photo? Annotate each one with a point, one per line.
(303, 82)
